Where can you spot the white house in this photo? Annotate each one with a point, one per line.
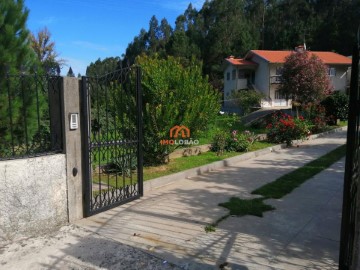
(261, 70)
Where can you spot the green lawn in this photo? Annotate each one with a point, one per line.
(278, 189)
(174, 166)
(292, 180)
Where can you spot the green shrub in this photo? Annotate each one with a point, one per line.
(219, 143)
(173, 95)
(232, 142)
(336, 106)
(123, 164)
(247, 99)
(238, 142)
(316, 114)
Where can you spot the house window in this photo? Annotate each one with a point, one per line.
(332, 72)
(279, 71)
(279, 95)
(241, 74)
(234, 74)
(228, 76)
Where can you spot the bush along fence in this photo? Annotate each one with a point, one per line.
(29, 116)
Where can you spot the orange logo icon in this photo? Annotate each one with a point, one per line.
(184, 131)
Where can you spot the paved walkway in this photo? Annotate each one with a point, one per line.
(302, 233)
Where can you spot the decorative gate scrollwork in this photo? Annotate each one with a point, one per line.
(112, 139)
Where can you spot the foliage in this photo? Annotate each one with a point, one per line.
(122, 164)
(70, 73)
(103, 67)
(336, 106)
(305, 78)
(232, 142)
(232, 27)
(18, 114)
(210, 228)
(15, 51)
(239, 141)
(45, 52)
(241, 207)
(315, 114)
(219, 142)
(285, 128)
(247, 99)
(173, 95)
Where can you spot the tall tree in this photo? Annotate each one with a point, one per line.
(45, 51)
(70, 73)
(136, 47)
(305, 78)
(153, 35)
(186, 40)
(19, 103)
(289, 23)
(228, 32)
(103, 67)
(338, 26)
(15, 52)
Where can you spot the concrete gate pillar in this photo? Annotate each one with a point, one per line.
(72, 146)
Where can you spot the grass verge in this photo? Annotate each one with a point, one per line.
(185, 163)
(288, 182)
(279, 188)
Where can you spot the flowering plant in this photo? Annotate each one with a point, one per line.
(285, 128)
(233, 142)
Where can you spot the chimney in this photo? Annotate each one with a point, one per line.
(300, 48)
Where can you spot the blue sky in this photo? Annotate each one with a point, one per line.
(85, 30)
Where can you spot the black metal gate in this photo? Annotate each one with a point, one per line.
(349, 237)
(112, 139)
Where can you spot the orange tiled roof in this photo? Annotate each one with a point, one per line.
(240, 61)
(279, 56)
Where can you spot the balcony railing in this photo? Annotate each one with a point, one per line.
(276, 79)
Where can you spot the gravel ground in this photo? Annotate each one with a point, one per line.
(75, 248)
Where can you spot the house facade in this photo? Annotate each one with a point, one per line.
(261, 70)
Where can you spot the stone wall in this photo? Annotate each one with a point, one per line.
(33, 196)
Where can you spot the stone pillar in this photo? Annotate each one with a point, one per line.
(72, 147)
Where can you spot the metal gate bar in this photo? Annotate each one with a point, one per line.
(352, 172)
(112, 139)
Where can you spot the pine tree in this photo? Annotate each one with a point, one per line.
(18, 115)
(15, 52)
(70, 73)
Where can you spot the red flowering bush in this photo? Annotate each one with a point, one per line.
(285, 128)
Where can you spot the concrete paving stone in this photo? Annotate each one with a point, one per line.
(165, 228)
